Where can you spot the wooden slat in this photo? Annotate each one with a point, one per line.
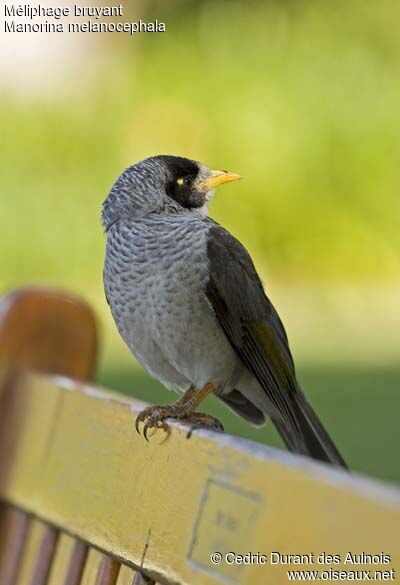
(62, 557)
(108, 571)
(48, 331)
(44, 330)
(77, 563)
(92, 566)
(14, 531)
(31, 552)
(126, 576)
(45, 557)
(167, 505)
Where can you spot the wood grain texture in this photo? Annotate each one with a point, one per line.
(49, 331)
(167, 505)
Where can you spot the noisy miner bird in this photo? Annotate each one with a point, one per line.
(188, 301)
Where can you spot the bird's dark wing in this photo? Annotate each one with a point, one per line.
(248, 318)
(255, 331)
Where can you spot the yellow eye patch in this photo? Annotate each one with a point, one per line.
(179, 182)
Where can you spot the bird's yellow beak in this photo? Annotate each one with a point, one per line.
(217, 178)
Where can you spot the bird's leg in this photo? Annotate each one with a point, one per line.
(200, 419)
(154, 417)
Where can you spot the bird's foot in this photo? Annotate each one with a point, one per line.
(154, 417)
(200, 420)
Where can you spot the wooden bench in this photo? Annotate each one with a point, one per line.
(85, 500)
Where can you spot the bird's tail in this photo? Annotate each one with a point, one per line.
(308, 436)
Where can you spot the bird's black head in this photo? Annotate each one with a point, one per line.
(191, 184)
(162, 184)
(183, 176)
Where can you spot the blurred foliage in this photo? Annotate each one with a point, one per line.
(300, 97)
(303, 99)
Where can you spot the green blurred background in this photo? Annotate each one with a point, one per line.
(300, 97)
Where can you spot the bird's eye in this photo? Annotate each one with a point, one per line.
(183, 181)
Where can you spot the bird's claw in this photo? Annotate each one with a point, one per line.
(153, 417)
(200, 420)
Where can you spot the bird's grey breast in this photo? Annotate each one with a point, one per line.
(155, 275)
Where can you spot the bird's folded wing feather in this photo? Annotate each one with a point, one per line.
(249, 319)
